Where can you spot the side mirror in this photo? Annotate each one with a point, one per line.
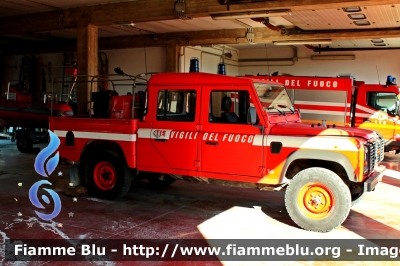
(251, 116)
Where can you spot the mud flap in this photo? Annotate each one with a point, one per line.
(75, 176)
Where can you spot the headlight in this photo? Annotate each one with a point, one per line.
(366, 159)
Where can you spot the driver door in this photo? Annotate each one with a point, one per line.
(228, 144)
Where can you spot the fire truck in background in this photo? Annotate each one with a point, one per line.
(29, 119)
(25, 107)
(183, 128)
(342, 101)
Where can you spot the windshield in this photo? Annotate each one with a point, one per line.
(387, 102)
(274, 98)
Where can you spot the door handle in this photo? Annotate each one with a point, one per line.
(367, 120)
(161, 140)
(212, 143)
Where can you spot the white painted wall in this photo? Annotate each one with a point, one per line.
(209, 58)
(131, 61)
(363, 67)
(136, 61)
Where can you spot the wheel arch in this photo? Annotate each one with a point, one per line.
(300, 160)
(94, 146)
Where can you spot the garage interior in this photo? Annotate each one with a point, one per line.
(303, 38)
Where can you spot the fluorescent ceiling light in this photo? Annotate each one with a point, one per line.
(377, 40)
(352, 9)
(362, 23)
(333, 57)
(252, 14)
(302, 42)
(357, 16)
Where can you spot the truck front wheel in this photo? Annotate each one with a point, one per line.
(317, 200)
(108, 176)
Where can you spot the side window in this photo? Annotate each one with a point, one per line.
(176, 105)
(384, 101)
(228, 107)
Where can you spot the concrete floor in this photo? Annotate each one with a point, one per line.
(182, 211)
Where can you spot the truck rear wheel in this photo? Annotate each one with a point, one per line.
(160, 180)
(108, 176)
(317, 200)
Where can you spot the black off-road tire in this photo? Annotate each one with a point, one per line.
(160, 180)
(108, 176)
(24, 143)
(356, 196)
(356, 199)
(318, 200)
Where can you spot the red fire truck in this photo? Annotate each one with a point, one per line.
(346, 102)
(29, 119)
(222, 130)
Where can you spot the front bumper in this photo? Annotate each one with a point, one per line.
(374, 179)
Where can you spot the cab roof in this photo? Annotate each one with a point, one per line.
(199, 78)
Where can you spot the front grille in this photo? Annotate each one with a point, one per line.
(380, 143)
(376, 154)
(371, 156)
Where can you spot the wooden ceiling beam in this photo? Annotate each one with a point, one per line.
(153, 10)
(106, 14)
(294, 5)
(342, 35)
(265, 35)
(235, 36)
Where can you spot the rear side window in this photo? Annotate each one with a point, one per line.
(176, 105)
(229, 107)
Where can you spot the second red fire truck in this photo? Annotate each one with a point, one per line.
(346, 102)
